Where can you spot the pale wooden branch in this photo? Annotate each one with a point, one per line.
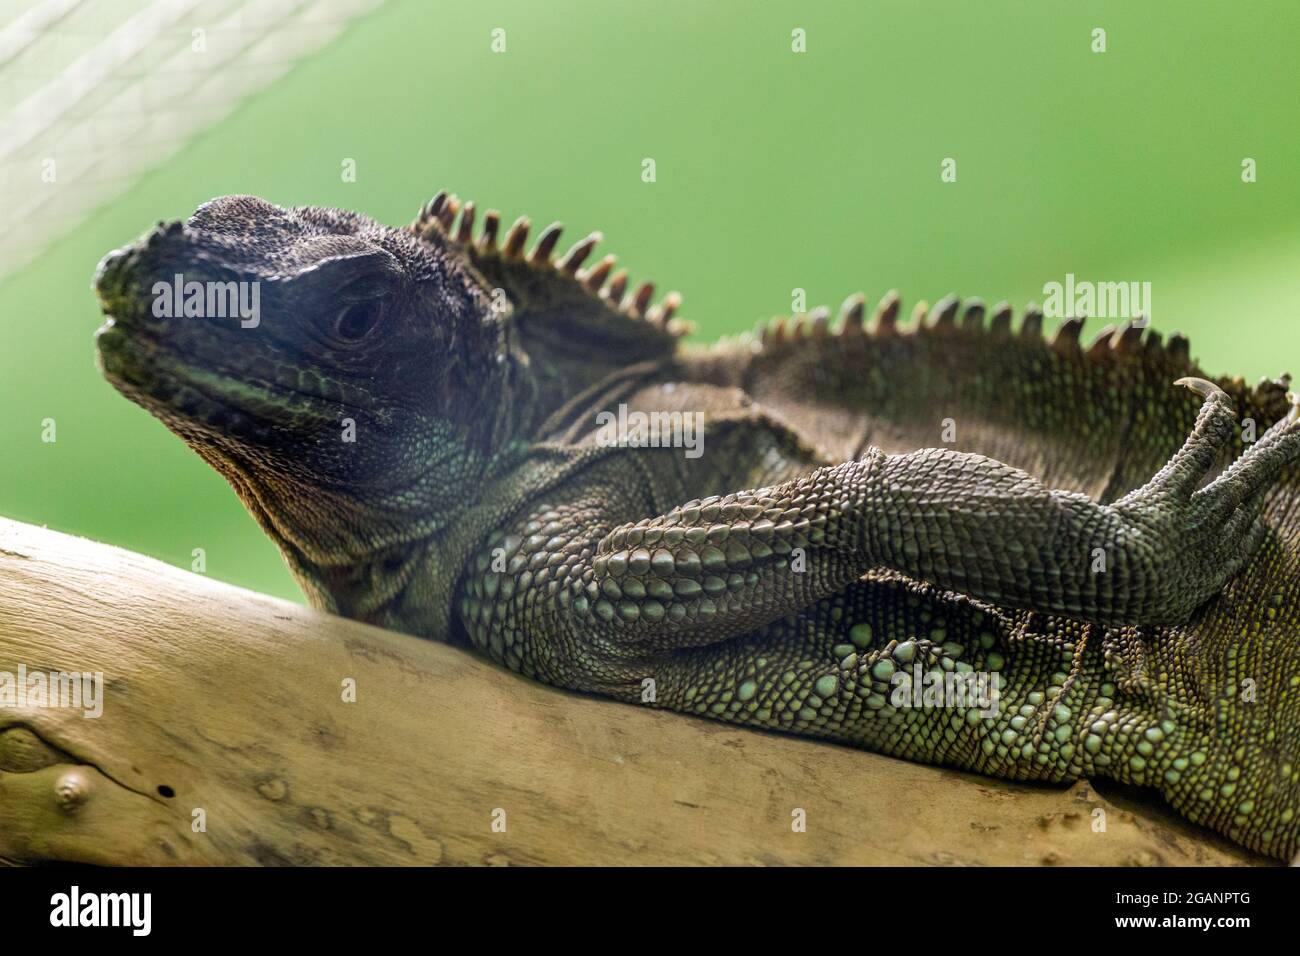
(232, 702)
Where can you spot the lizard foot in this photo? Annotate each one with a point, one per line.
(1172, 517)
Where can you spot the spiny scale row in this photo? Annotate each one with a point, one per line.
(1125, 339)
(440, 214)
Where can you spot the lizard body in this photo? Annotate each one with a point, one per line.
(1120, 564)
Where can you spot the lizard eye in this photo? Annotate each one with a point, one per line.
(358, 320)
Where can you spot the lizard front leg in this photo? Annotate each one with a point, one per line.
(711, 569)
(963, 522)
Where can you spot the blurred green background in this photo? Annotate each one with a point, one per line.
(775, 170)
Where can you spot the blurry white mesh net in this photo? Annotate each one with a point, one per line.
(93, 93)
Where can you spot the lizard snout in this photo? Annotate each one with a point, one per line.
(124, 279)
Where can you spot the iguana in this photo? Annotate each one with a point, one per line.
(420, 418)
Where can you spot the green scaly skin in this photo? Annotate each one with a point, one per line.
(1079, 536)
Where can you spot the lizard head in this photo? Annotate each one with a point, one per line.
(344, 376)
(354, 382)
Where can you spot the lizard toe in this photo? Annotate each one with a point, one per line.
(1202, 387)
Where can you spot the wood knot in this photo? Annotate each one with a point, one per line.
(71, 791)
(273, 789)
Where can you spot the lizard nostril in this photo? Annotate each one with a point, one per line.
(109, 268)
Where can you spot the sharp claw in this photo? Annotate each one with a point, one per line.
(1201, 387)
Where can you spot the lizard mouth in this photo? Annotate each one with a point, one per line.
(153, 374)
(169, 388)
(189, 374)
